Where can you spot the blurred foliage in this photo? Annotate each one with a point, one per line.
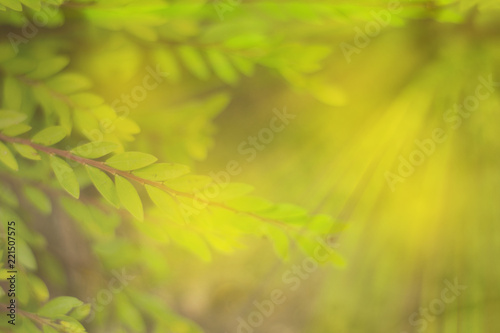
(126, 150)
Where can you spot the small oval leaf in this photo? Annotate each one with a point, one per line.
(103, 184)
(27, 151)
(12, 93)
(194, 62)
(50, 135)
(10, 118)
(26, 256)
(59, 306)
(129, 197)
(49, 67)
(222, 67)
(12, 4)
(192, 242)
(34, 4)
(67, 83)
(16, 130)
(38, 199)
(65, 175)
(95, 149)
(81, 312)
(131, 161)
(166, 203)
(162, 171)
(7, 158)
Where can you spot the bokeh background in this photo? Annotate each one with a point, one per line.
(361, 98)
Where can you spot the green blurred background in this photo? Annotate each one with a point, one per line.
(357, 114)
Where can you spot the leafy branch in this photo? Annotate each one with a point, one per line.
(128, 175)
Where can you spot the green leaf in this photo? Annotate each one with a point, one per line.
(166, 203)
(162, 171)
(84, 214)
(69, 83)
(192, 242)
(20, 65)
(222, 243)
(129, 315)
(222, 67)
(194, 62)
(49, 67)
(22, 287)
(7, 158)
(131, 161)
(50, 135)
(280, 241)
(95, 149)
(166, 60)
(44, 98)
(16, 130)
(27, 151)
(10, 118)
(104, 185)
(65, 175)
(28, 326)
(38, 199)
(284, 211)
(243, 65)
(81, 312)
(310, 245)
(39, 288)
(321, 224)
(59, 306)
(12, 93)
(12, 4)
(26, 257)
(70, 325)
(34, 4)
(129, 197)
